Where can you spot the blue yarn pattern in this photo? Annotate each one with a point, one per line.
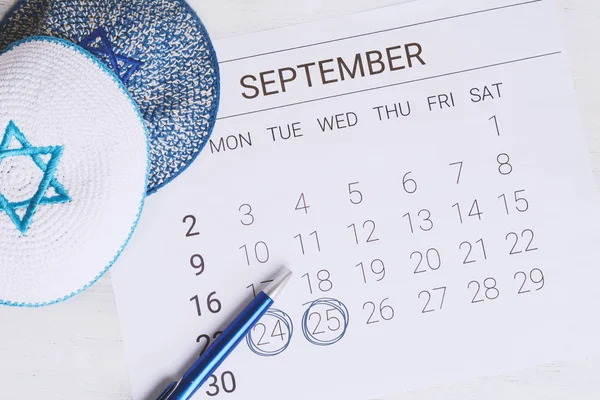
(122, 66)
(48, 180)
(161, 52)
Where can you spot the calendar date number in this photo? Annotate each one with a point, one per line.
(225, 382)
(382, 312)
(213, 304)
(486, 290)
(530, 281)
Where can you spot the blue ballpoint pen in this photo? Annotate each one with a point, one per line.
(208, 362)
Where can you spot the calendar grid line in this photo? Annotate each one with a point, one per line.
(523, 3)
(394, 84)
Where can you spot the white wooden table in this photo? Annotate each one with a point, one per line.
(74, 351)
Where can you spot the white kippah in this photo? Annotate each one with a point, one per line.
(73, 170)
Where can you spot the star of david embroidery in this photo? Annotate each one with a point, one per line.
(123, 66)
(48, 180)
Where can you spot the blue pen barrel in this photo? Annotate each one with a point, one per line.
(210, 360)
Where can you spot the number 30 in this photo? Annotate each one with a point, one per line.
(227, 385)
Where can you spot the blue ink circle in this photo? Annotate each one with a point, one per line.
(287, 323)
(159, 50)
(332, 304)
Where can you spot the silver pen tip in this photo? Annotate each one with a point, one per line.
(278, 284)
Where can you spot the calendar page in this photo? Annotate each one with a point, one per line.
(4, 6)
(422, 170)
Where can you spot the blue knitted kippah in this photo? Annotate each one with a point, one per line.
(161, 52)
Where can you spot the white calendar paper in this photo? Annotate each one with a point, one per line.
(4, 6)
(422, 170)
